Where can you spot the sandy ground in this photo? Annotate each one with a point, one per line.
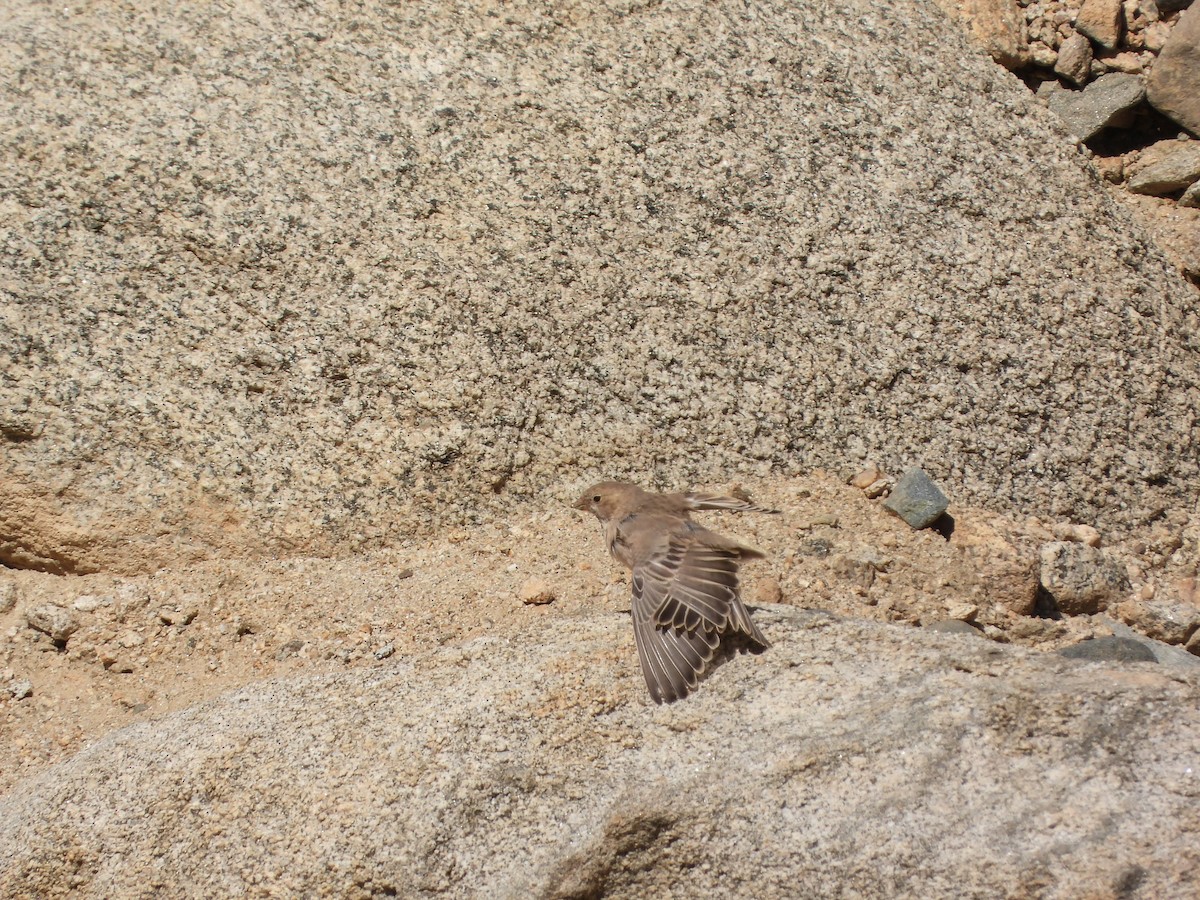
(148, 645)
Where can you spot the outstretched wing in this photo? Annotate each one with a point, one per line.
(687, 614)
(719, 501)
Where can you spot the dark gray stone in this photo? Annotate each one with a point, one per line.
(916, 499)
(1111, 649)
(1108, 102)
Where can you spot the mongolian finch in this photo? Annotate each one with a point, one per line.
(687, 615)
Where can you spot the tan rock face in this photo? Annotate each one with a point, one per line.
(472, 275)
(1171, 87)
(1103, 21)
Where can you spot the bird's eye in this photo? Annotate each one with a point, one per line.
(596, 499)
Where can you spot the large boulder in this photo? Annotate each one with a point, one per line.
(850, 759)
(304, 279)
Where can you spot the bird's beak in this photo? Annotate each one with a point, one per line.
(581, 503)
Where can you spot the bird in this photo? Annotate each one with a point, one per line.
(688, 616)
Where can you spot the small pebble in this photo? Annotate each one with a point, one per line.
(87, 603)
(767, 590)
(537, 592)
(962, 612)
(866, 477)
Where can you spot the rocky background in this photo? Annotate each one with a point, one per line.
(1122, 74)
(313, 318)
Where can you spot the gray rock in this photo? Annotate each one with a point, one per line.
(53, 620)
(537, 767)
(20, 689)
(1103, 21)
(1191, 197)
(1171, 88)
(1175, 166)
(1074, 61)
(1108, 102)
(1081, 579)
(1176, 657)
(1110, 649)
(916, 499)
(398, 290)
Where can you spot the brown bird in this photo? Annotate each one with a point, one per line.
(687, 614)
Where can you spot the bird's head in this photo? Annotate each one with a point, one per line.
(606, 499)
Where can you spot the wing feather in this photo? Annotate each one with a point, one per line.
(687, 612)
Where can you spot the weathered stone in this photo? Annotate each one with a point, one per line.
(1168, 166)
(1171, 86)
(19, 689)
(1171, 623)
(537, 591)
(916, 499)
(1102, 21)
(1191, 197)
(537, 767)
(1110, 649)
(1107, 102)
(1074, 61)
(53, 620)
(1081, 579)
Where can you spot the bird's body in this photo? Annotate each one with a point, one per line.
(688, 616)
